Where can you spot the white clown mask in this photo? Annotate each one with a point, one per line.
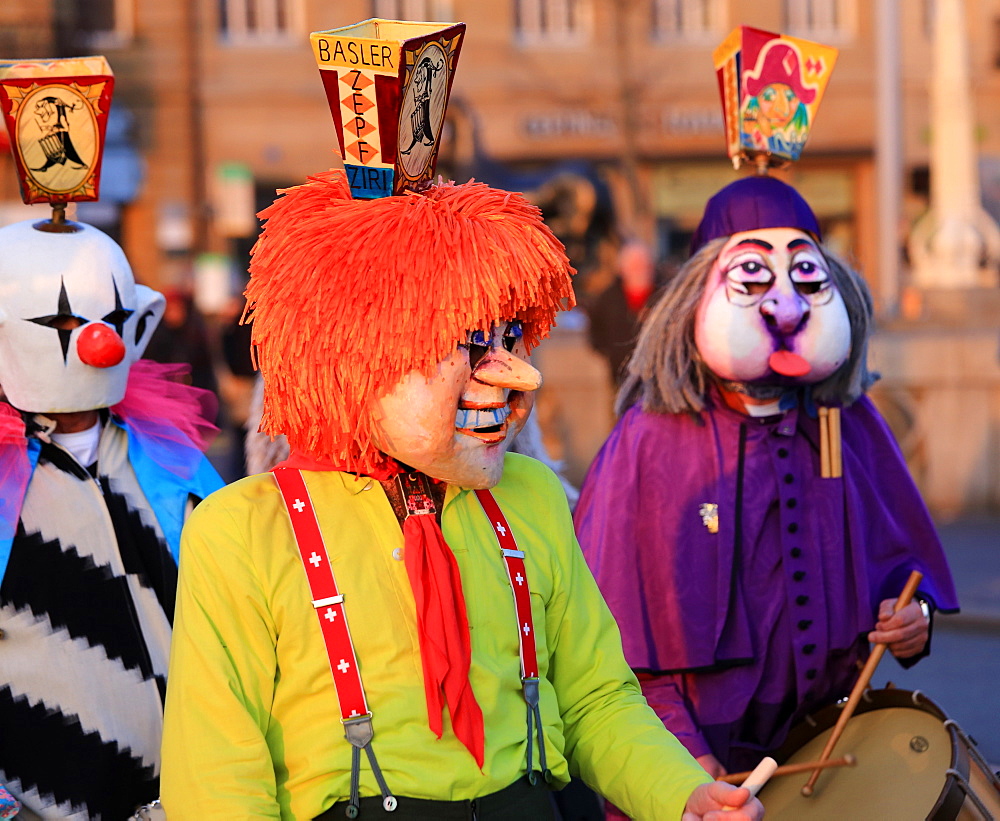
(457, 424)
(72, 319)
(771, 314)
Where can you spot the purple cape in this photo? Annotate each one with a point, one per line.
(672, 584)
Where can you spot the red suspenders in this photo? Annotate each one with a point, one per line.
(513, 560)
(327, 601)
(329, 606)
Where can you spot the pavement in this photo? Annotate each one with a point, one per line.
(973, 548)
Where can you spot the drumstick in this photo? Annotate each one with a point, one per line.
(862, 684)
(757, 778)
(836, 457)
(791, 769)
(824, 442)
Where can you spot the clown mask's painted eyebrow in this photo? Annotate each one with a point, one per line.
(758, 242)
(799, 242)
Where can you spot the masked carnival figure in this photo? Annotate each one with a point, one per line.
(397, 621)
(750, 519)
(100, 462)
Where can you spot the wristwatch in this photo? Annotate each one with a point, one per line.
(925, 606)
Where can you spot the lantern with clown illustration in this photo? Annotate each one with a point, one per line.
(771, 87)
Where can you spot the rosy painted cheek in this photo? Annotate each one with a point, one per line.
(732, 341)
(826, 343)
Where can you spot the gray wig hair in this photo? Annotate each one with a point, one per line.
(666, 373)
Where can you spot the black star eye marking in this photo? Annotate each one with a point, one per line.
(64, 321)
(119, 316)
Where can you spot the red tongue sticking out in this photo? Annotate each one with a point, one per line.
(788, 364)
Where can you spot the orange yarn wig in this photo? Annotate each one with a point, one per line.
(347, 296)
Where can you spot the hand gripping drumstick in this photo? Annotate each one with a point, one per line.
(862, 684)
(758, 778)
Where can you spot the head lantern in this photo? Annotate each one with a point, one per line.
(771, 87)
(377, 319)
(72, 319)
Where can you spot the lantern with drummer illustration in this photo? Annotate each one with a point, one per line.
(750, 520)
(56, 112)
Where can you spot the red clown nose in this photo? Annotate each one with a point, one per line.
(99, 346)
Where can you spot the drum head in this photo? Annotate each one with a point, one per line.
(903, 754)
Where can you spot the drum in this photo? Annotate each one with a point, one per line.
(913, 762)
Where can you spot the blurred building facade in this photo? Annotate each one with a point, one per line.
(605, 111)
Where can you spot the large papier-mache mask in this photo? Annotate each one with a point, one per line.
(393, 318)
(72, 319)
(771, 312)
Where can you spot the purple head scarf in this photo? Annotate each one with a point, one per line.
(752, 203)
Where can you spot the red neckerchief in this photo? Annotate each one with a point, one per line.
(442, 621)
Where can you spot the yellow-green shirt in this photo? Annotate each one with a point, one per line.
(252, 725)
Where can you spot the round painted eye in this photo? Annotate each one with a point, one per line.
(513, 333)
(751, 267)
(478, 338)
(478, 344)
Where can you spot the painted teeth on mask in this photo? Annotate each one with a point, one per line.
(469, 418)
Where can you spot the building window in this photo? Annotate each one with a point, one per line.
(688, 20)
(258, 21)
(102, 24)
(822, 20)
(552, 22)
(429, 10)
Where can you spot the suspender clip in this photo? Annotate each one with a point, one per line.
(359, 730)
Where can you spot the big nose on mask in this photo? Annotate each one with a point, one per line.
(502, 369)
(99, 346)
(784, 312)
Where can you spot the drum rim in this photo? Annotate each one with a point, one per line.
(826, 717)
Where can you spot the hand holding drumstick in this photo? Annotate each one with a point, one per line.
(904, 631)
(708, 800)
(863, 681)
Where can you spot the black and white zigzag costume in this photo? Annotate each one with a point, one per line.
(86, 605)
